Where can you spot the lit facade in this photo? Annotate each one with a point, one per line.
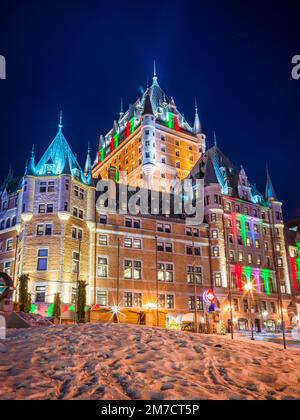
(51, 230)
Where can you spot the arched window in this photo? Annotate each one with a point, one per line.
(14, 221)
(7, 223)
(2, 225)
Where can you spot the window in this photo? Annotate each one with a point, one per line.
(67, 185)
(162, 301)
(132, 270)
(103, 240)
(49, 208)
(77, 233)
(128, 243)
(248, 242)
(40, 230)
(218, 280)
(40, 294)
(43, 187)
(170, 302)
(80, 214)
(214, 234)
(189, 231)
(230, 238)
(133, 300)
(42, 264)
(216, 252)
(259, 260)
(250, 259)
(246, 305)
(7, 267)
(102, 298)
(51, 186)
(103, 219)
(81, 194)
(241, 257)
(165, 273)
(137, 244)
(278, 247)
(231, 256)
(178, 165)
(75, 262)
(42, 208)
(257, 244)
(213, 217)
(48, 230)
(168, 247)
(9, 245)
(200, 306)
(194, 274)
(73, 295)
(102, 267)
(280, 262)
(235, 305)
(76, 190)
(273, 307)
(266, 246)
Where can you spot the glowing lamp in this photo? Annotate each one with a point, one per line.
(248, 287)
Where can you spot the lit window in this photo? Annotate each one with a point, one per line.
(40, 294)
(102, 267)
(102, 298)
(9, 245)
(103, 240)
(7, 267)
(75, 262)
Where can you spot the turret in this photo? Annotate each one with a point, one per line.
(148, 136)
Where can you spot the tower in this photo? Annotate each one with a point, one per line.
(148, 141)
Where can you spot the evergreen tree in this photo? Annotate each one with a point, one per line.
(57, 304)
(28, 304)
(23, 293)
(81, 301)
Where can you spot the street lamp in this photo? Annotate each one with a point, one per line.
(248, 289)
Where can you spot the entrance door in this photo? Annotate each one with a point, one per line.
(257, 326)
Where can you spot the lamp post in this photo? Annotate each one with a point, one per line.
(249, 289)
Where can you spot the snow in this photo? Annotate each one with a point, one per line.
(113, 362)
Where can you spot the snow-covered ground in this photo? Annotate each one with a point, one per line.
(114, 362)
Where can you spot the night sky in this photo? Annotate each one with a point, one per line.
(82, 56)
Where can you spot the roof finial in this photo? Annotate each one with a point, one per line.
(60, 126)
(121, 109)
(32, 151)
(154, 72)
(196, 105)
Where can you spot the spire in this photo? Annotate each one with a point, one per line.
(88, 162)
(215, 139)
(121, 109)
(60, 125)
(148, 110)
(270, 191)
(31, 167)
(197, 123)
(155, 78)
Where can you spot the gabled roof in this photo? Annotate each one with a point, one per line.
(214, 167)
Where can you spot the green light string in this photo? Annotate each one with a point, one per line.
(266, 274)
(102, 154)
(171, 122)
(50, 311)
(243, 220)
(118, 176)
(248, 273)
(116, 140)
(72, 308)
(33, 309)
(298, 268)
(132, 125)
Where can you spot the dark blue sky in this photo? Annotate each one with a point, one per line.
(82, 56)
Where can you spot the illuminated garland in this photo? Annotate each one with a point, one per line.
(257, 273)
(248, 273)
(102, 154)
(243, 220)
(176, 123)
(266, 274)
(171, 122)
(294, 272)
(238, 271)
(118, 176)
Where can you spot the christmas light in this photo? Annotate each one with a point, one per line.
(50, 311)
(102, 154)
(294, 272)
(243, 220)
(116, 140)
(266, 274)
(257, 273)
(176, 123)
(248, 272)
(238, 271)
(171, 122)
(127, 130)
